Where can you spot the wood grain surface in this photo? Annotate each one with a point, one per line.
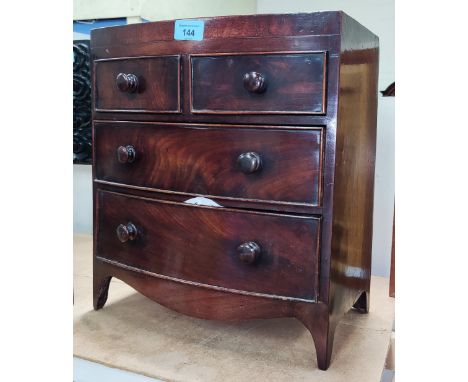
(204, 160)
(200, 244)
(157, 90)
(292, 83)
(236, 122)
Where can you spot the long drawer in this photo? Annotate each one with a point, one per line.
(251, 252)
(258, 164)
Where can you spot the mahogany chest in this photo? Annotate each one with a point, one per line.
(270, 121)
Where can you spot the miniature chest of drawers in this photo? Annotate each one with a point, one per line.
(271, 118)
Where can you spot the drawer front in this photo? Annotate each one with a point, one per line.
(148, 84)
(256, 84)
(281, 166)
(245, 251)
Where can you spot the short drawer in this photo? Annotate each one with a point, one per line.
(144, 84)
(253, 164)
(259, 83)
(253, 252)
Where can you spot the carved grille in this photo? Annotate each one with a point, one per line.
(82, 138)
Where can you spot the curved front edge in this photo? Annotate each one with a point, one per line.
(219, 305)
(195, 301)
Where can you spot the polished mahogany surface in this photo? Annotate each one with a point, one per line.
(201, 244)
(144, 84)
(259, 83)
(247, 163)
(353, 197)
(271, 116)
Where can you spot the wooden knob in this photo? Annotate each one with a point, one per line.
(126, 232)
(127, 82)
(255, 82)
(249, 252)
(249, 162)
(126, 154)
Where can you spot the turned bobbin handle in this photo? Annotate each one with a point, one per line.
(127, 83)
(126, 232)
(249, 162)
(126, 154)
(255, 82)
(249, 252)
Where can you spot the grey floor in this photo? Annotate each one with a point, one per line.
(388, 376)
(87, 371)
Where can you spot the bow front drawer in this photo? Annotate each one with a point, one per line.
(259, 83)
(243, 251)
(144, 84)
(252, 164)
